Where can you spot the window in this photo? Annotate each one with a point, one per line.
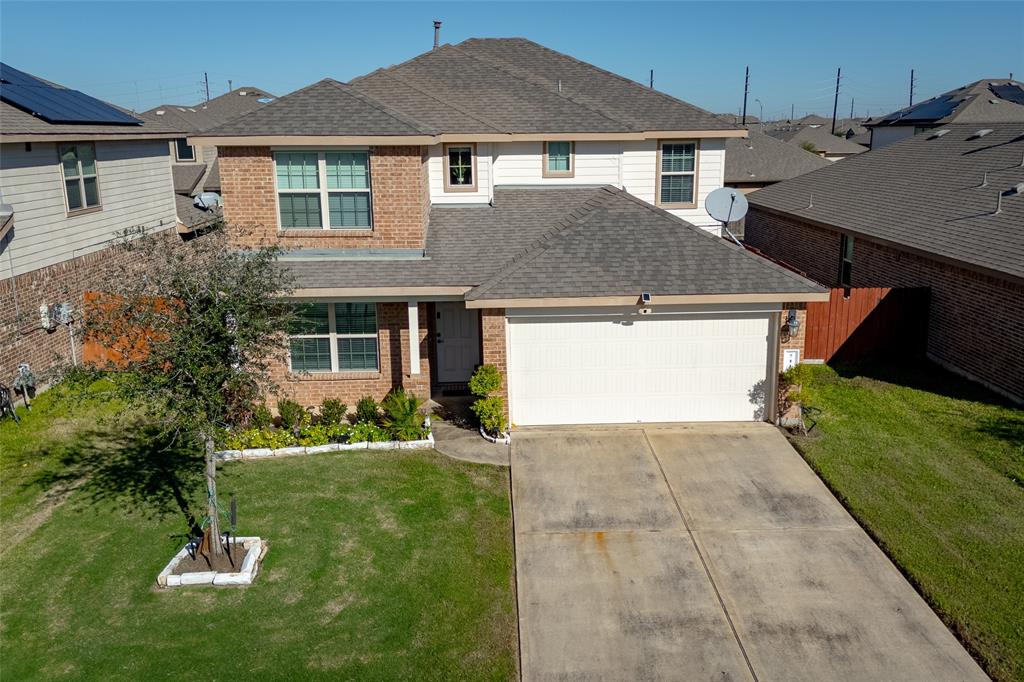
(183, 151)
(334, 337)
(845, 261)
(460, 169)
(335, 184)
(677, 174)
(81, 186)
(558, 160)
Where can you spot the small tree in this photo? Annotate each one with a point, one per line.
(191, 331)
(809, 147)
(489, 408)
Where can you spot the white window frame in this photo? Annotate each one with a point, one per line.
(177, 156)
(696, 167)
(473, 167)
(98, 206)
(548, 173)
(322, 189)
(333, 337)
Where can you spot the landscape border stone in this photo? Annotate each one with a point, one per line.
(255, 550)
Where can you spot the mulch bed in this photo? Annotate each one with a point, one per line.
(228, 562)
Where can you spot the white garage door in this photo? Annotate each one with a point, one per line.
(602, 370)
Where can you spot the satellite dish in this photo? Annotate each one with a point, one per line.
(726, 205)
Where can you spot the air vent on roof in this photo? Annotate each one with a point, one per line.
(265, 100)
(159, 112)
(938, 133)
(1016, 190)
(995, 101)
(243, 93)
(980, 133)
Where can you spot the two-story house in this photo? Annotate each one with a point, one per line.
(499, 202)
(73, 172)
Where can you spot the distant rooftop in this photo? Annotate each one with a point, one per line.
(761, 158)
(195, 118)
(986, 101)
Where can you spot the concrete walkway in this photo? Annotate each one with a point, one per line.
(467, 444)
(700, 552)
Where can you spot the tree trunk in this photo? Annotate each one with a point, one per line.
(211, 498)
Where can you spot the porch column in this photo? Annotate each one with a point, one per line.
(414, 337)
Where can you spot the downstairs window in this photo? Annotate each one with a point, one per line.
(334, 337)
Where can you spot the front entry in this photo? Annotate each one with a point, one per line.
(458, 342)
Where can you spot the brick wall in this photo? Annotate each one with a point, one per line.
(789, 341)
(495, 350)
(398, 184)
(22, 338)
(975, 321)
(393, 341)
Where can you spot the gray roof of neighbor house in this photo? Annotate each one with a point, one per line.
(543, 242)
(820, 137)
(17, 124)
(186, 176)
(990, 100)
(500, 85)
(196, 117)
(925, 194)
(193, 217)
(762, 158)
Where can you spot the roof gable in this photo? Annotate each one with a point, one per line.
(762, 158)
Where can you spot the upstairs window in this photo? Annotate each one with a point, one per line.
(558, 160)
(677, 174)
(81, 184)
(845, 261)
(183, 151)
(315, 185)
(334, 337)
(459, 167)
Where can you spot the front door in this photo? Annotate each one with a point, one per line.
(458, 342)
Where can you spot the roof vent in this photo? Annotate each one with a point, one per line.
(265, 100)
(159, 112)
(1016, 190)
(243, 93)
(980, 133)
(995, 101)
(938, 133)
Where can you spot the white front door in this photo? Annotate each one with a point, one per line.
(601, 370)
(458, 342)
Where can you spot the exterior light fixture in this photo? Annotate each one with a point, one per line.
(792, 323)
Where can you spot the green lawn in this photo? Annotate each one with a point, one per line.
(933, 467)
(382, 565)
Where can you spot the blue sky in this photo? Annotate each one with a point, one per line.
(141, 54)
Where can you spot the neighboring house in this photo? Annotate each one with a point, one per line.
(760, 160)
(943, 210)
(74, 171)
(991, 100)
(817, 139)
(499, 202)
(195, 168)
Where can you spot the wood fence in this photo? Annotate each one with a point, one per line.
(861, 322)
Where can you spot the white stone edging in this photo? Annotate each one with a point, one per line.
(502, 439)
(255, 550)
(260, 453)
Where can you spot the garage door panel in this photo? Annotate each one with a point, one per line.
(583, 371)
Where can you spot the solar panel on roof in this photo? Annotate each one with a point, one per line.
(1009, 92)
(56, 105)
(931, 110)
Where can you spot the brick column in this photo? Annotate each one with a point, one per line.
(790, 341)
(495, 350)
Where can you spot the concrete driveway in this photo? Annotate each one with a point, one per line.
(704, 552)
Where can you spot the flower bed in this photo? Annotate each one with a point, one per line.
(260, 453)
(255, 549)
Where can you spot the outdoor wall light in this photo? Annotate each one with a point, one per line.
(792, 323)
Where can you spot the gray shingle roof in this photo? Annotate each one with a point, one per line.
(923, 193)
(983, 101)
(186, 176)
(14, 121)
(194, 118)
(507, 85)
(820, 137)
(193, 217)
(563, 242)
(762, 158)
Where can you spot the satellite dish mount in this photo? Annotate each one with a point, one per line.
(727, 205)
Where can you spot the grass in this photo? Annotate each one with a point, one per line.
(933, 467)
(382, 565)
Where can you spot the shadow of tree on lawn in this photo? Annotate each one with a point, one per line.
(135, 464)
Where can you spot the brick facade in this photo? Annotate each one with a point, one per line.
(493, 342)
(400, 201)
(789, 341)
(393, 343)
(22, 337)
(975, 320)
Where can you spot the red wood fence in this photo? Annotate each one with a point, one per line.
(856, 323)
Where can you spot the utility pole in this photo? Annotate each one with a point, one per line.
(835, 104)
(652, 79)
(746, 89)
(911, 88)
(230, 88)
(206, 79)
(792, 111)
(851, 107)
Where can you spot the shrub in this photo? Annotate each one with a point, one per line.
(491, 413)
(292, 414)
(485, 381)
(259, 438)
(367, 410)
(322, 434)
(261, 417)
(402, 416)
(367, 432)
(332, 411)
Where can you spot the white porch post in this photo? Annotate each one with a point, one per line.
(414, 337)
